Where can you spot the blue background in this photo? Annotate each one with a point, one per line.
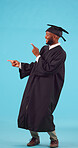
(23, 22)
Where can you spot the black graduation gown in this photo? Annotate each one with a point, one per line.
(43, 89)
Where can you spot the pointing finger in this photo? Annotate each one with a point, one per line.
(32, 45)
(10, 61)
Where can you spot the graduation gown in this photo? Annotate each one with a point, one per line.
(42, 91)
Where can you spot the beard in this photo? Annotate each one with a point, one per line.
(50, 42)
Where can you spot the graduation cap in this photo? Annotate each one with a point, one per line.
(57, 30)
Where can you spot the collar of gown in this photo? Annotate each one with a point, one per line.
(52, 46)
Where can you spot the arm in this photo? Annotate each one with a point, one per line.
(25, 69)
(52, 64)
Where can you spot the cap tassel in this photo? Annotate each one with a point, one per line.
(63, 38)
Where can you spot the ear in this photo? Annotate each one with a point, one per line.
(56, 37)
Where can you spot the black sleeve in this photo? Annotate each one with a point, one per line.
(51, 65)
(25, 69)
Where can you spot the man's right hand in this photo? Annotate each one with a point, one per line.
(15, 63)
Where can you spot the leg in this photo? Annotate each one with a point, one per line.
(52, 135)
(34, 134)
(35, 139)
(53, 138)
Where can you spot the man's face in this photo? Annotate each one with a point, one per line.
(49, 38)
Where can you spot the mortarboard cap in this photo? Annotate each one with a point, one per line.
(57, 30)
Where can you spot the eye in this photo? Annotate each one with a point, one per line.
(47, 34)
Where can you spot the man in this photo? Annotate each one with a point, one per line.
(41, 95)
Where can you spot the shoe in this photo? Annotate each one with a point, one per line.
(34, 141)
(54, 143)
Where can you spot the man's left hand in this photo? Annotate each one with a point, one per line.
(35, 50)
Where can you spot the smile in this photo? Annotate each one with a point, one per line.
(46, 40)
